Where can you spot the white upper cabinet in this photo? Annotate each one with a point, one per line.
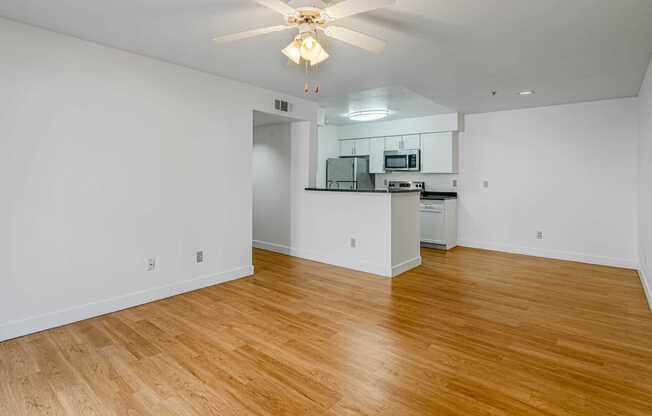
(358, 147)
(411, 142)
(362, 147)
(377, 155)
(347, 148)
(393, 143)
(440, 153)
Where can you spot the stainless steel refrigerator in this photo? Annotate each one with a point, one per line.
(349, 173)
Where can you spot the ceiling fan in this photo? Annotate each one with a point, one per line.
(311, 16)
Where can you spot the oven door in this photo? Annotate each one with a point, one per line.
(396, 161)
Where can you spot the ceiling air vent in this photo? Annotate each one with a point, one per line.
(283, 106)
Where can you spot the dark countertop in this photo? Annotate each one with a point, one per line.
(438, 196)
(372, 191)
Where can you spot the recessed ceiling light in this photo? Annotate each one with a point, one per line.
(528, 92)
(368, 115)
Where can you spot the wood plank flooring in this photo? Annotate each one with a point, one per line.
(470, 332)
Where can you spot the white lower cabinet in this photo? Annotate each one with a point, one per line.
(439, 223)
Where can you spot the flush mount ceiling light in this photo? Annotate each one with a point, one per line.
(528, 92)
(368, 115)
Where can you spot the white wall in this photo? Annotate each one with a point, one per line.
(109, 158)
(271, 177)
(567, 170)
(645, 185)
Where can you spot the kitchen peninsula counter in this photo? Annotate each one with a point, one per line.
(373, 191)
(375, 231)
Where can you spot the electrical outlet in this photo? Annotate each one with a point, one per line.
(454, 183)
(200, 256)
(539, 235)
(151, 265)
(485, 184)
(353, 243)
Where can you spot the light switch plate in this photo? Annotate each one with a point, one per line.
(200, 256)
(151, 265)
(454, 183)
(539, 235)
(485, 184)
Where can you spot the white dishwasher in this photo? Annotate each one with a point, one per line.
(433, 227)
(438, 223)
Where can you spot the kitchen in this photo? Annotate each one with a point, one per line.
(420, 154)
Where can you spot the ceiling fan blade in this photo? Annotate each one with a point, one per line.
(351, 7)
(355, 38)
(279, 6)
(251, 33)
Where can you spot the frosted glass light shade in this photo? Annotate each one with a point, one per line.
(369, 115)
(293, 51)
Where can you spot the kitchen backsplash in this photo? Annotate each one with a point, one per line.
(433, 182)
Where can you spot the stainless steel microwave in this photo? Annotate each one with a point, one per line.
(409, 160)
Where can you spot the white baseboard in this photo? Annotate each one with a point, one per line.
(339, 260)
(14, 329)
(277, 248)
(553, 254)
(405, 266)
(646, 286)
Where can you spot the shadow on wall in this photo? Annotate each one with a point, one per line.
(271, 160)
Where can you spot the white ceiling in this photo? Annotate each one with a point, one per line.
(401, 102)
(453, 52)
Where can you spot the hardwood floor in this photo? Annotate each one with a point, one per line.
(468, 333)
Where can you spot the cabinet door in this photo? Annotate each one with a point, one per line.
(433, 226)
(377, 155)
(411, 142)
(439, 153)
(393, 143)
(362, 147)
(347, 148)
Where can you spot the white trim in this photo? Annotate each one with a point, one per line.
(334, 260)
(14, 329)
(553, 254)
(348, 263)
(277, 248)
(646, 286)
(405, 266)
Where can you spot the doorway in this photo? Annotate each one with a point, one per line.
(271, 172)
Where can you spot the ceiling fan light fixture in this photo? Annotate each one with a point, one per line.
(368, 115)
(321, 58)
(310, 48)
(293, 51)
